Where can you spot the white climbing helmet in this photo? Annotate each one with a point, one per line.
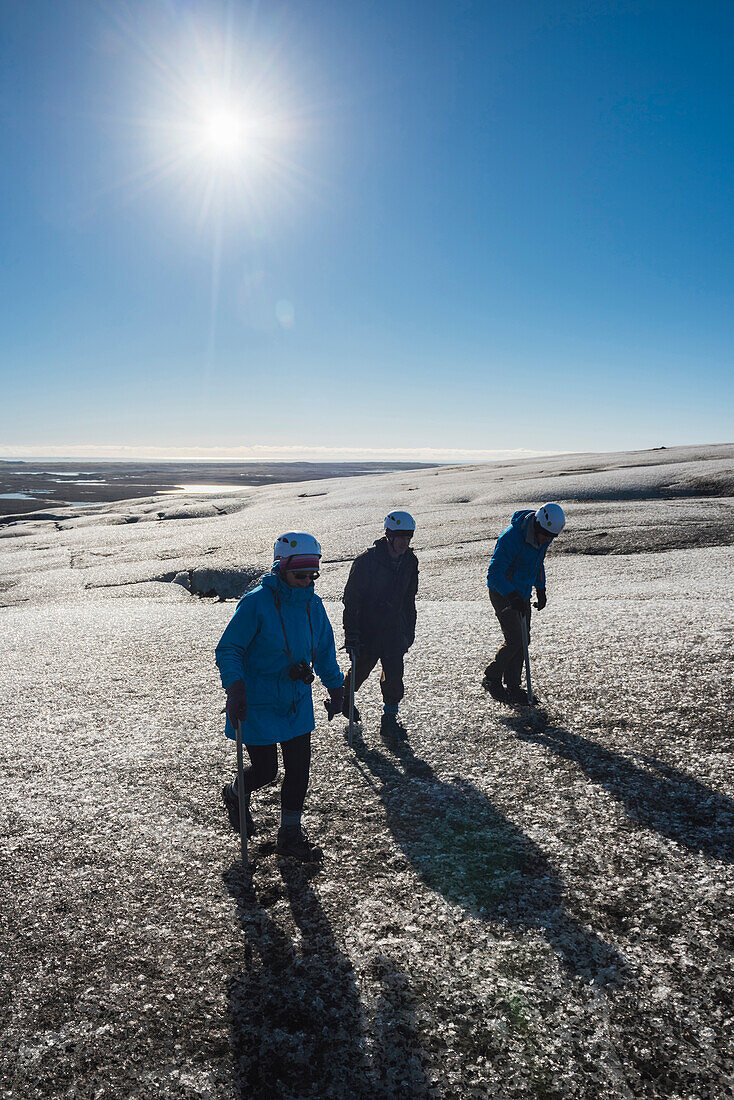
(551, 518)
(296, 544)
(401, 522)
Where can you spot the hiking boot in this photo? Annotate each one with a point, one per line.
(391, 726)
(494, 686)
(517, 697)
(345, 710)
(294, 844)
(232, 802)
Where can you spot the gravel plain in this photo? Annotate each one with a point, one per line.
(512, 904)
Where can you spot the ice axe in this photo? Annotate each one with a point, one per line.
(352, 674)
(526, 653)
(241, 796)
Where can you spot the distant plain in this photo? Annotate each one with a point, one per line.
(32, 485)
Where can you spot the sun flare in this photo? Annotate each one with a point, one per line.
(222, 122)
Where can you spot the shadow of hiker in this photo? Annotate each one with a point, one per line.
(296, 1018)
(466, 850)
(297, 1025)
(397, 1066)
(669, 801)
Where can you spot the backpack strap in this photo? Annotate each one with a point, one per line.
(276, 598)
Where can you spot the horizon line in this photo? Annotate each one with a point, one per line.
(262, 453)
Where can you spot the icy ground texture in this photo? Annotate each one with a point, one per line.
(511, 905)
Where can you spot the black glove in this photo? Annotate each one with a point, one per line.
(351, 642)
(516, 602)
(236, 702)
(335, 703)
(542, 598)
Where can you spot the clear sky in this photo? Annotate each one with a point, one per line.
(377, 227)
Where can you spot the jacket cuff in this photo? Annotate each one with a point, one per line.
(227, 681)
(335, 684)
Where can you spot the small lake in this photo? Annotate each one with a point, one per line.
(201, 490)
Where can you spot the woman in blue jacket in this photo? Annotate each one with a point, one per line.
(278, 636)
(515, 569)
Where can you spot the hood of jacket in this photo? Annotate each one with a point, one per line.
(522, 520)
(521, 515)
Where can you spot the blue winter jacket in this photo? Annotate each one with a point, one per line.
(259, 648)
(517, 561)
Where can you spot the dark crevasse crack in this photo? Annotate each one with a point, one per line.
(224, 584)
(165, 577)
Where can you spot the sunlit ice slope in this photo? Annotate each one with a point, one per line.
(512, 903)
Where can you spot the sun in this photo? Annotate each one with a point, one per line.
(222, 133)
(222, 145)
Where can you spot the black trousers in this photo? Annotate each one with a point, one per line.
(296, 767)
(391, 680)
(507, 664)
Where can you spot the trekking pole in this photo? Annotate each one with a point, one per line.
(351, 694)
(241, 795)
(526, 650)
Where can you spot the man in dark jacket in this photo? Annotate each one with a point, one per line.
(380, 615)
(515, 569)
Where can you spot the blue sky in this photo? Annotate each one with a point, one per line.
(454, 229)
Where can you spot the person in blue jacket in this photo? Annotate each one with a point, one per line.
(515, 569)
(278, 637)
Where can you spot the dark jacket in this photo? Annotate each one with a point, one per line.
(379, 600)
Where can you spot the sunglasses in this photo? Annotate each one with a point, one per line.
(306, 576)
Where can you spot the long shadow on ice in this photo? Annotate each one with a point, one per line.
(297, 1025)
(296, 1019)
(397, 1064)
(465, 849)
(662, 798)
